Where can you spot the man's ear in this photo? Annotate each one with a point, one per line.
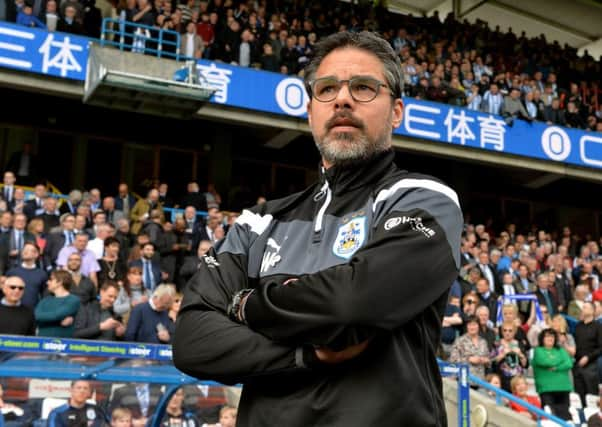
(309, 112)
(397, 114)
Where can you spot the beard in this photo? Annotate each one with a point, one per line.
(349, 148)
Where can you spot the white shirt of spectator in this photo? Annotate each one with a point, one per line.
(189, 45)
(97, 247)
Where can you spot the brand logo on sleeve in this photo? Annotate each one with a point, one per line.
(271, 256)
(350, 237)
(415, 224)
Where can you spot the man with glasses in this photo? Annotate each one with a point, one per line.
(328, 304)
(15, 318)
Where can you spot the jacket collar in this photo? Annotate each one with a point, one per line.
(353, 176)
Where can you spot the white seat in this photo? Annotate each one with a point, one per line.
(50, 403)
(592, 401)
(575, 400)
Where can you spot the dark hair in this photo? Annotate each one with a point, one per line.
(364, 40)
(109, 284)
(548, 331)
(111, 241)
(37, 248)
(471, 319)
(63, 277)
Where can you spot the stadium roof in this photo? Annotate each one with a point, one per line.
(576, 22)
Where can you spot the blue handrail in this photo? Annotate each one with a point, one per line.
(122, 31)
(500, 394)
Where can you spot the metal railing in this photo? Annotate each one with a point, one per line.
(140, 38)
(500, 394)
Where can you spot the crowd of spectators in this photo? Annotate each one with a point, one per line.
(443, 60)
(528, 302)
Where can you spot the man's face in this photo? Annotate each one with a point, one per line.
(543, 282)
(50, 204)
(100, 218)
(80, 392)
(347, 130)
(19, 222)
(40, 191)
(13, 289)
(153, 196)
(69, 223)
(482, 286)
(148, 251)
(123, 189)
(190, 213)
(29, 253)
(74, 262)
(80, 222)
(108, 204)
(80, 242)
(6, 219)
(9, 178)
(108, 297)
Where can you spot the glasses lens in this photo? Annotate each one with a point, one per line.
(16, 287)
(326, 89)
(364, 89)
(470, 301)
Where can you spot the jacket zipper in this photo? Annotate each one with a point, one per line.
(324, 191)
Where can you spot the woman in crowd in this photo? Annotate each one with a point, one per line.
(111, 266)
(131, 293)
(519, 389)
(510, 315)
(471, 348)
(175, 307)
(565, 339)
(551, 366)
(55, 313)
(36, 227)
(510, 355)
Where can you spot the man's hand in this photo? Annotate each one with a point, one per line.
(67, 321)
(163, 335)
(583, 361)
(108, 324)
(333, 357)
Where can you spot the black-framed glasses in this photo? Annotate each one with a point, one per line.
(361, 88)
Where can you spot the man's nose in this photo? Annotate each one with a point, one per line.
(344, 98)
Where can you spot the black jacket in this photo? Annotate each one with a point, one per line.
(87, 322)
(375, 251)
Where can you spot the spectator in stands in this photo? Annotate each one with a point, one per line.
(70, 205)
(89, 265)
(126, 239)
(121, 417)
(473, 98)
(141, 210)
(6, 222)
(8, 188)
(174, 309)
(140, 400)
(77, 411)
(492, 100)
(153, 226)
(97, 320)
(510, 355)
(59, 239)
(82, 286)
(520, 389)
(112, 214)
(551, 367)
(588, 339)
(97, 245)
(51, 17)
(112, 267)
(471, 348)
(15, 318)
(35, 205)
(151, 270)
(513, 107)
(175, 413)
(553, 114)
(12, 243)
(124, 201)
(195, 198)
(69, 22)
(573, 117)
(191, 263)
(565, 339)
(486, 330)
(36, 229)
(487, 298)
(98, 218)
(545, 295)
(26, 17)
(49, 214)
(13, 415)
(575, 306)
(227, 416)
(34, 277)
(191, 44)
(150, 322)
(56, 313)
(131, 293)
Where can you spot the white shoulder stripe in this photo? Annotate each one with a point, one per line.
(256, 222)
(413, 183)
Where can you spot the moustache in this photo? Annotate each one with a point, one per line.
(348, 117)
